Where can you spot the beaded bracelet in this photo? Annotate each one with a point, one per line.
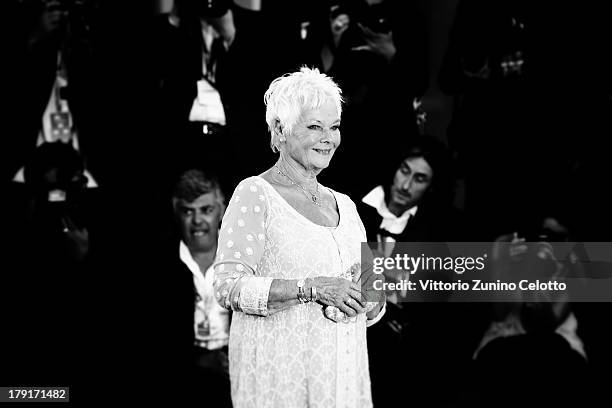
(301, 295)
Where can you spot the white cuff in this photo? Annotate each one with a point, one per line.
(254, 292)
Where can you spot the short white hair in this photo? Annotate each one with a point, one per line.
(289, 95)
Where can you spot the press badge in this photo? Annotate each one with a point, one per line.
(207, 106)
(201, 322)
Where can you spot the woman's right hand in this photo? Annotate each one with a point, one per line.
(340, 292)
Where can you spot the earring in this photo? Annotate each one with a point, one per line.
(282, 139)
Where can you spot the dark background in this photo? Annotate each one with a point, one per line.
(120, 329)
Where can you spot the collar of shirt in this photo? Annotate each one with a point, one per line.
(188, 260)
(512, 326)
(207, 309)
(390, 222)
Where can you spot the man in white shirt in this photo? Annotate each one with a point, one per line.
(194, 70)
(410, 183)
(198, 205)
(57, 80)
(412, 204)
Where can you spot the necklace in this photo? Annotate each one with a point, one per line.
(313, 197)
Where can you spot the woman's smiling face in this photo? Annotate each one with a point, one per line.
(315, 138)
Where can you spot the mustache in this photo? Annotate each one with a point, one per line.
(402, 192)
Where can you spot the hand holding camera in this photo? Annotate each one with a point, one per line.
(376, 31)
(380, 43)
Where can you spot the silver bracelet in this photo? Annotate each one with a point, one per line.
(301, 295)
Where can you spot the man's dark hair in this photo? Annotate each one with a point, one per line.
(436, 154)
(193, 183)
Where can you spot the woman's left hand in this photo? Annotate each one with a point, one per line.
(341, 293)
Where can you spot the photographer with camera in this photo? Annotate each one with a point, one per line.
(52, 238)
(378, 53)
(52, 92)
(533, 339)
(194, 72)
(412, 203)
(525, 76)
(51, 101)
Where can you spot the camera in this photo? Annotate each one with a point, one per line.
(338, 8)
(541, 235)
(203, 8)
(77, 16)
(76, 7)
(213, 8)
(377, 18)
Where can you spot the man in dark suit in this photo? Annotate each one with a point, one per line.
(205, 98)
(381, 64)
(414, 206)
(52, 93)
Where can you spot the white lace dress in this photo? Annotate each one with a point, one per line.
(296, 357)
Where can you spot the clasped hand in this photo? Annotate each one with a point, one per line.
(342, 293)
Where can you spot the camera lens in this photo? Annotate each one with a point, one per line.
(377, 18)
(213, 8)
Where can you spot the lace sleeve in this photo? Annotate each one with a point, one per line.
(241, 242)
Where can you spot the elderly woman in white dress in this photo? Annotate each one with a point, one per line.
(288, 264)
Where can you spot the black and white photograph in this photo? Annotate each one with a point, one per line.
(306, 203)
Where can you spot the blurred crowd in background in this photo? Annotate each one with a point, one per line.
(115, 111)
